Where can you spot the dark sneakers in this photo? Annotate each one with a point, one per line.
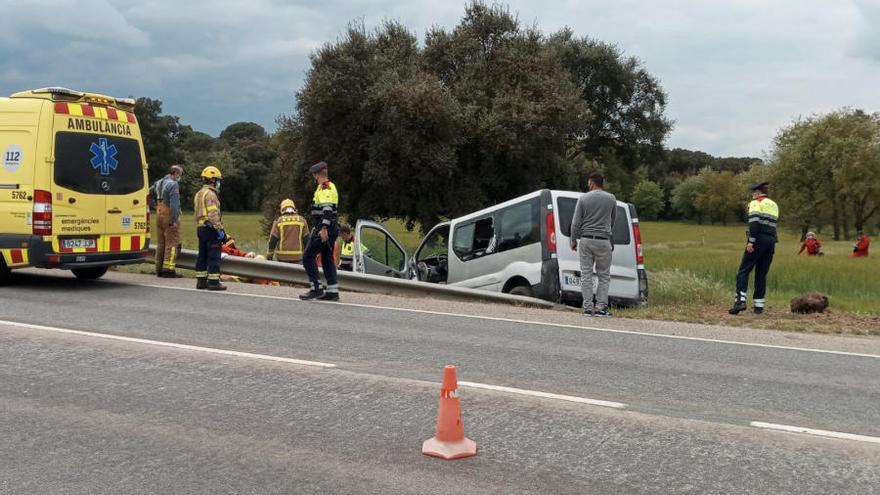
(329, 296)
(603, 313)
(737, 307)
(758, 310)
(312, 294)
(588, 311)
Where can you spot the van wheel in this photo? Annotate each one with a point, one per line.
(5, 273)
(521, 290)
(89, 273)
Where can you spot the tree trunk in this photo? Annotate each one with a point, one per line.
(845, 223)
(836, 218)
(804, 229)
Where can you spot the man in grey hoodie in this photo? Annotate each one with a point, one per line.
(591, 238)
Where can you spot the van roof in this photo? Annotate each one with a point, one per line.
(56, 93)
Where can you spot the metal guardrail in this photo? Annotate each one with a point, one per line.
(358, 282)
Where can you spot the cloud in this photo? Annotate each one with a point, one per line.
(735, 71)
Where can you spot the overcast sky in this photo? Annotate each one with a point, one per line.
(734, 70)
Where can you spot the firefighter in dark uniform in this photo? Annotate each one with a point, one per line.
(210, 230)
(763, 216)
(325, 218)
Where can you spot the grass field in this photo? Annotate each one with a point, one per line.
(691, 270)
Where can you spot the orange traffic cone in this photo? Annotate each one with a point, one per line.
(450, 442)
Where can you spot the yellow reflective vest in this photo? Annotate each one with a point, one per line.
(763, 217)
(207, 208)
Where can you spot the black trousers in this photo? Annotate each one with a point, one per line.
(759, 260)
(208, 262)
(325, 249)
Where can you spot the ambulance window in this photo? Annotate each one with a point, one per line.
(98, 164)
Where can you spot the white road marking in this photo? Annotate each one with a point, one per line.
(543, 395)
(538, 323)
(186, 347)
(811, 431)
(264, 357)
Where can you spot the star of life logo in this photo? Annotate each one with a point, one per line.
(104, 156)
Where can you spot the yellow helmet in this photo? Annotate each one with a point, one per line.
(287, 203)
(211, 172)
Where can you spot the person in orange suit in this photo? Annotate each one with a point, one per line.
(812, 245)
(860, 248)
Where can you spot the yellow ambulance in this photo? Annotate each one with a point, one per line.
(73, 183)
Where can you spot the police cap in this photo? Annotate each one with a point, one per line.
(318, 167)
(761, 186)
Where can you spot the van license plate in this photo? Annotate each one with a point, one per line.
(570, 278)
(78, 243)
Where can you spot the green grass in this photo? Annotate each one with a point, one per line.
(692, 264)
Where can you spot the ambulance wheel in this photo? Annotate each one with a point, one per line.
(89, 273)
(5, 273)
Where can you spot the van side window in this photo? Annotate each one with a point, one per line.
(519, 225)
(619, 231)
(621, 228)
(474, 239)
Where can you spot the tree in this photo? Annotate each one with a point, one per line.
(160, 134)
(482, 113)
(625, 103)
(647, 196)
(720, 200)
(684, 198)
(827, 170)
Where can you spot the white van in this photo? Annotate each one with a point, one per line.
(519, 247)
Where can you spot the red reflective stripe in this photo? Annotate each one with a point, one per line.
(16, 256)
(115, 243)
(61, 108)
(135, 242)
(88, 110)
(130, 117)
(94, 249)
(111, 113)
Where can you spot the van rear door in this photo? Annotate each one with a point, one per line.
(98, 183)
(624, 273)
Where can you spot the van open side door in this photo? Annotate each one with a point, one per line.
(377, 252)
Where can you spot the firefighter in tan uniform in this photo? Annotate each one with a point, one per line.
(288, 235)
(210, 230)
(166, 193)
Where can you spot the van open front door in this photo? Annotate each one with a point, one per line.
(377, 252)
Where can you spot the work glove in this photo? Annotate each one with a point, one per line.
(221, 235)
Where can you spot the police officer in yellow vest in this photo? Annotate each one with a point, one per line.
(325, 216)
(288, 235)
(763, 216)
(210, 230)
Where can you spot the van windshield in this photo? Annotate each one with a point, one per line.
(98, 164)
(619, 231)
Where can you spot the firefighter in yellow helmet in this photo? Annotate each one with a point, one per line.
(288, 234)
(210, 230)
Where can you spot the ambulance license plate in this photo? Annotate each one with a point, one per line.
(571, 278)
(78, 243)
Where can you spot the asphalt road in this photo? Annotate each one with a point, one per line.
(80, 414)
